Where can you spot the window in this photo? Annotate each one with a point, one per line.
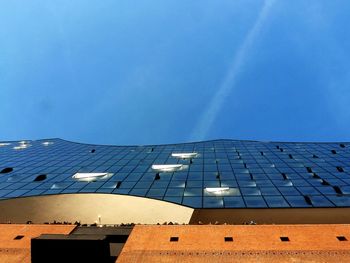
(340, 169)
(342, 238)
(284, 239)
(309, 170)
(89, 177)
(18, 237)
(167, 167)
(337, 190)
(308, 200)
(6, 170)
(217, 190)
(22, 145)
(174, 239)
(228, 239)
(285, 177)
(184, 155)
(40, 177)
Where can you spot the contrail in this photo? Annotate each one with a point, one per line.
(208, 117)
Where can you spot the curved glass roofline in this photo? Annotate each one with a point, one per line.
(178, 143)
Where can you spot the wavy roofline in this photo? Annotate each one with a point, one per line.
(192, 142)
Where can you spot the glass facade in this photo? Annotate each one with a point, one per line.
(222, 173)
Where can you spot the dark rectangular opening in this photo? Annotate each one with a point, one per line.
(324, 182)
(18, 237)
(70, 248)
(309, 170)
(174, 239)
(340, 169)
(284, 239)
(337, 190)
(307, 200)
(342, 238)
(314, 175)
(228, 239)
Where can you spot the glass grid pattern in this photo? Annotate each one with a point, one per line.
(258, 174)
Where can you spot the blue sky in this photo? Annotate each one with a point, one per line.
(144, 72)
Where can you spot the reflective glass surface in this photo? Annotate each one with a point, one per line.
(222, 174)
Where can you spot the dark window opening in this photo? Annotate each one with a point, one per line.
(262, 153)
(152, 149)
(251, 176)
(174, 239)
(277, 147)
(18, 237)
(342, 145)
(245, 165)
(290, 156)
(40, 177)
(314, 156)
(334, 151)
(228, 239)
(314, 175)
(157, 177)
(284, 239)
(337, 190)
(6, 170)
(118, 184)
(309, 170)
(342, 238)
(191, 161)
(93, 150)
(285, 177)
(218, 176)
(307, 200)
(340, 169)
(324, 182)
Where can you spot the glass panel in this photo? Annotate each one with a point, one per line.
(276, 201)
(195, 202)
(213, 202)
(233, 202)
(254, 201)
(193, 192)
